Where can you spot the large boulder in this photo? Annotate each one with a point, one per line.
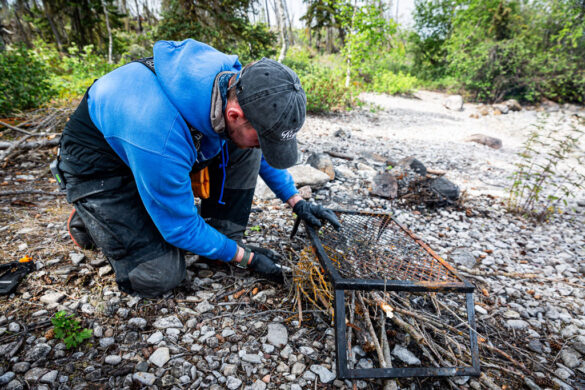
(454, 103)
(513, 105)
(492, 142)
(385, 186)
(262, 191)
(323, 163)
(306, 175)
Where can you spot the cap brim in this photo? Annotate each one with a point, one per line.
(280, 154)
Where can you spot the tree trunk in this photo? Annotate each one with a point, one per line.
(138, 16)
(50, 19)
(349, 42)
(21, 28)
(109, 32)
(280, 4)
(267, 13)
(124, 4)
(291, 38)
(329, 41)
(149, 15)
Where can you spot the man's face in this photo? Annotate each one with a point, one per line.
(243, 135)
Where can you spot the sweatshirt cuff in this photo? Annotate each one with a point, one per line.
(229, 251)
(286, 195)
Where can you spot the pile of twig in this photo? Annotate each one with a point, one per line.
(44, 125)
(433, 325)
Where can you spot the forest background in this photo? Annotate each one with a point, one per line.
(486, 50)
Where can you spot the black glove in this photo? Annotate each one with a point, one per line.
(264, 263)
(312, 212)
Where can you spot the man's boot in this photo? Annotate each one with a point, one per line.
(78, 232)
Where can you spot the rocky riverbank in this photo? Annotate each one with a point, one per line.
(227, 329)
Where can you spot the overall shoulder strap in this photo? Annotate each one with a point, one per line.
(148, 62)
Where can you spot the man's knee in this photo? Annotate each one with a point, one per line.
(154, 277)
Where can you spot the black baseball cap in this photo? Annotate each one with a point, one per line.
(274, 102)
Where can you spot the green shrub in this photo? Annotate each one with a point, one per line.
(68, 329)
(322, 79)
(78, 70)
(24, 81)
(393, 83)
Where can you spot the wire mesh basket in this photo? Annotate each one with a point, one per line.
(371, 251)
(375, 246)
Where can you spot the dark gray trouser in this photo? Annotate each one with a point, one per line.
(143, 261)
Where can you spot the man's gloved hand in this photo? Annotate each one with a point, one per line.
(264, 262)
(313, 212)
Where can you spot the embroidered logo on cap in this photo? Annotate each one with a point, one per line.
(288, 134)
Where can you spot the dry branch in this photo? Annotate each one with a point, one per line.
(15, 128)
(20, 144)
(31, 192)
(343, 156)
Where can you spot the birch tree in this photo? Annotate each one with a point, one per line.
(281, 17)
(109, 32)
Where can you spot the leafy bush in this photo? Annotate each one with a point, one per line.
(68, 329)
(24, 81)
(323, 84)
(73, 73)
(393, 83)
(500, 49)
(78, 70)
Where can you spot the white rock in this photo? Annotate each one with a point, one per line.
(262, 191)
(52, 297)
(258, 385)
(137, 323)
(113, 359)
(105, 270)
(13, 327)
(168, 322)
(146, 378)
(277, 335)
(345, 172)
(233, 383)
(405, 355)
(325, 375)
(204, 307)
(570, 357)
(454, 102)
(87, 308)
(298, 368)
(252, 358)
(517, 324)
(306, 175)
(76, 258)
(160, 357)
(50, 377)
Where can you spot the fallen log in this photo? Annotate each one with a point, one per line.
(49, 143)
(343, 156)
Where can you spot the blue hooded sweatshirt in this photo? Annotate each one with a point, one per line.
(144, 118)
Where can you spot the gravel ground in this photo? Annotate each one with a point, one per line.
(223, 328)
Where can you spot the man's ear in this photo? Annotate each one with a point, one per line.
(234, 114)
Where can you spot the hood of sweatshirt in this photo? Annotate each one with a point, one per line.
(186, 71)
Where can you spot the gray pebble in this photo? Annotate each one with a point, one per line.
(106, 342)
(50, 377)
(233, 383)
(7, 377)
(145, 378)
(113, 359)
